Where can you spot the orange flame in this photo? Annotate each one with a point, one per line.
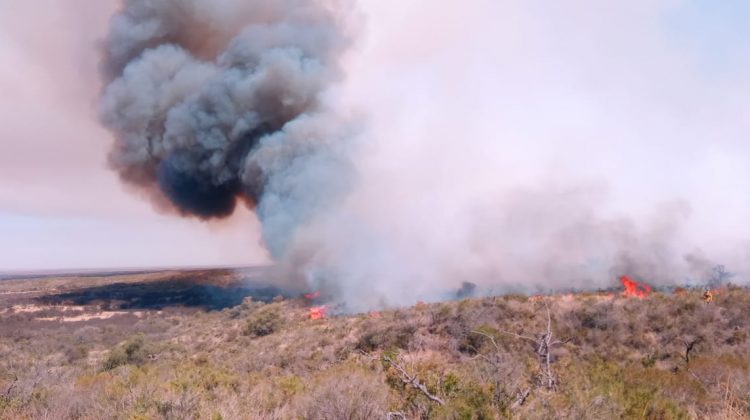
(313, 295)
(318, 312)
(634, 289)
(374, 314)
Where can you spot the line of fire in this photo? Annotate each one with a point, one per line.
(630, 289)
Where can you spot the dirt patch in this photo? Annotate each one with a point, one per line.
(39, 308)
(89, 317)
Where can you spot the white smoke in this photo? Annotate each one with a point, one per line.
(552, 151)
(534, 147)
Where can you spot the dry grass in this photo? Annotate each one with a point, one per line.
(268, 361)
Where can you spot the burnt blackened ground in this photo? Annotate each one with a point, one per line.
(199, 289)
(161, 294)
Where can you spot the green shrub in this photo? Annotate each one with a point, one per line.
(264, 321)
(132, 351)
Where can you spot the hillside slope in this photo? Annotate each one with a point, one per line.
(609, 357)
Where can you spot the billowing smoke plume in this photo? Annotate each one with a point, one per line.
(218, 101)
(551, 152)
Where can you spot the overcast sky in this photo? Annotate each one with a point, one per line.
(648, 98)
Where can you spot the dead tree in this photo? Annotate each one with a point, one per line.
(495, 360)
(689, 345)
(543, 350)
(411, 380)
(6, 397)
(521, 397)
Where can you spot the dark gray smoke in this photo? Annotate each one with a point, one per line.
(212, 102)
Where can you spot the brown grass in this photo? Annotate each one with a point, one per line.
(267, 360)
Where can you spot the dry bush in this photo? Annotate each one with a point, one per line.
(626, 361)
(264, 321)
(132, 351)
(378, 335)
(346, 394)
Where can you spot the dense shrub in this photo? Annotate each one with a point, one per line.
(76, 352)
(347, 393)
(376, 336)
(132, 351)
(264, 321)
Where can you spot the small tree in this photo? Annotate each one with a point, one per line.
(543, 349)
(409, 379)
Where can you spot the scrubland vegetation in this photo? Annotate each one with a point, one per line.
(669, 356)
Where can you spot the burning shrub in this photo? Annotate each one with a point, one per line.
(318, 312)
(634, 289)
(264, 321)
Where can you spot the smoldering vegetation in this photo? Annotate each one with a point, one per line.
(670, 355)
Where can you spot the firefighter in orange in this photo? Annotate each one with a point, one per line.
(708, 296)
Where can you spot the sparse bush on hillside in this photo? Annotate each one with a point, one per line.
(627, 360)
(132, 351)
(595, 316)
(76, 352)
(466, 399)
(376, 335)
(264, 321)
(352, 394)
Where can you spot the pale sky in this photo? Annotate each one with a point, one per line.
(649, 97)
(60, 207)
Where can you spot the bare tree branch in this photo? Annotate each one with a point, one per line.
(543, 346)
(521, 398)
(523, 337)
(412, 381)
(12, 385)
(689, 345)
